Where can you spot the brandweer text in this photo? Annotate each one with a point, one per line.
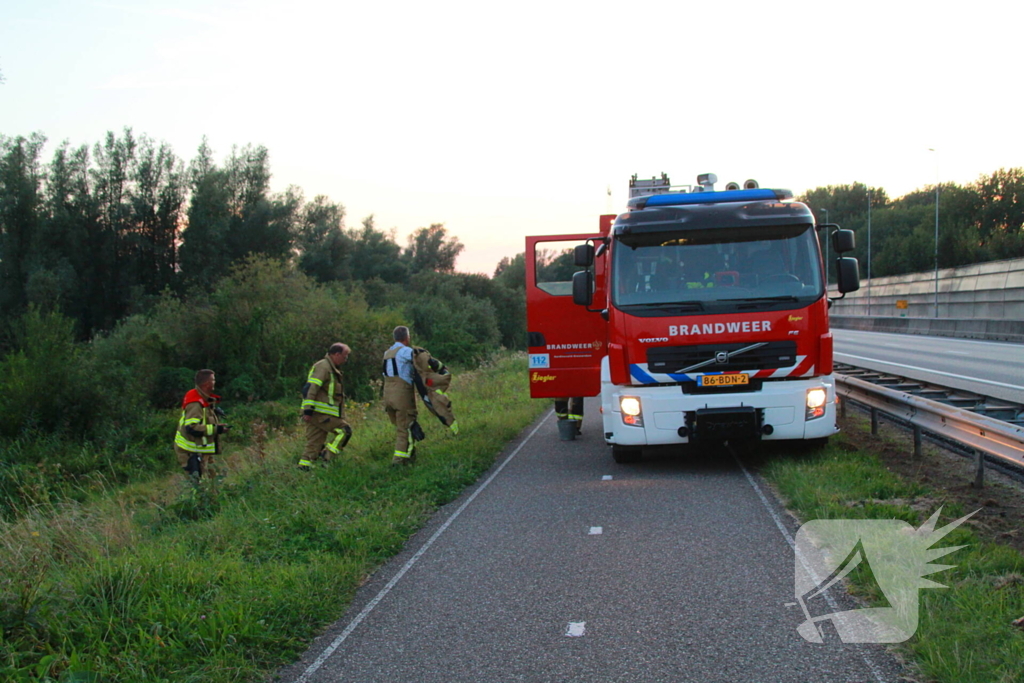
(720, 328)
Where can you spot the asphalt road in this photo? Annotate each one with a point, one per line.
(562, 566)
(988, 368)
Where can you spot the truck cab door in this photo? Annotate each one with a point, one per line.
(566, 341)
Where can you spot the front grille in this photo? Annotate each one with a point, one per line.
(674, 359)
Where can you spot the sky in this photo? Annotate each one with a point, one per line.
(528, 118)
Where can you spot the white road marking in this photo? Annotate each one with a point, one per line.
(792, 544)
(606, 477)
(329, 650)
(596, 531)
(934, 372)
(576, 629)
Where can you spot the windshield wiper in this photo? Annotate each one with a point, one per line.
(766, 299)
(760, 302)
(757, 302)
(688, 305)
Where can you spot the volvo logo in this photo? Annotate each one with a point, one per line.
(721, 357)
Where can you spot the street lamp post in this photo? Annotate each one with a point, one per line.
(869, 252)
(931, 149)
(826, 249)
(936, 249)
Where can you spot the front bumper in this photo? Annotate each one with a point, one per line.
(669, 415)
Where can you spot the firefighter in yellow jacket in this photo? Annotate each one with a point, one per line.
(400, 396)
(323, 408)
(197, 438)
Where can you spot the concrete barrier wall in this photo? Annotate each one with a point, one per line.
(992, 291)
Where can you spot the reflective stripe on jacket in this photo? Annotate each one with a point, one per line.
(197, 415)
(324, 390)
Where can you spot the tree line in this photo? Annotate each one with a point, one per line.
(128, 269)
(103, 231)
(977, 222)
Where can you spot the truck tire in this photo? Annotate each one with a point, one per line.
(625, 455)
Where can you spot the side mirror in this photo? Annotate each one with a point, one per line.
(583, 255)
(583, 287)
(843, 241)
(847, 273)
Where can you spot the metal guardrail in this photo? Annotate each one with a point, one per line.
(996, 408)
(985, 435)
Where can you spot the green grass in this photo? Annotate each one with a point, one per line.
(226, 581)
(965, 633)
(163, 581)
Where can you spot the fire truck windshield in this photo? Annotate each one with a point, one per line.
(716, 271)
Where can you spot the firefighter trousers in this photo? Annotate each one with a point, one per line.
(400, 405)
(204, 462)
(569, 408)
(324, 433)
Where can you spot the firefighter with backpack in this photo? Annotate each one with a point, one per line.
(409, 370)
(400, 397)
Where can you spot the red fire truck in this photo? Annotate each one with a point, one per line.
(697, 316)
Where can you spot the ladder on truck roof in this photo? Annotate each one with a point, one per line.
(644, 188)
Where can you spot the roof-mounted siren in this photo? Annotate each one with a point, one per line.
(750, 184)
(707, 182)
(732, 187)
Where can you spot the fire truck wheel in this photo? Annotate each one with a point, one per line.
(625, 455)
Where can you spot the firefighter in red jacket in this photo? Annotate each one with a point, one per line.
(199, 428)
(323, 408)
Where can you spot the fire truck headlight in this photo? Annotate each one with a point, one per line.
(630, 407)
(816, 399)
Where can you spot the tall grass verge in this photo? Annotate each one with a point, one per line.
(229, 579)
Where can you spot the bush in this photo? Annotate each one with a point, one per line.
(261, 329)
(50, 383)
(455, 327)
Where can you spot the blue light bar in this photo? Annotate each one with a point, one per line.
(712, 197)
